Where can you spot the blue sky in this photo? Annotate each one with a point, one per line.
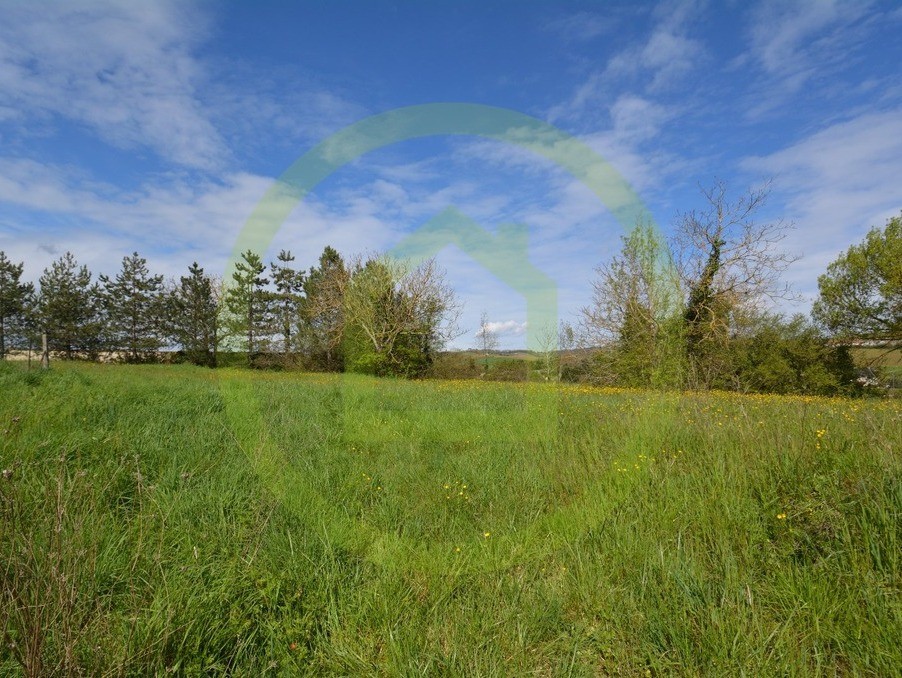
(159, 126)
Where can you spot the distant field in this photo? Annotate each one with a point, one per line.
(880, 357)
(172, 519)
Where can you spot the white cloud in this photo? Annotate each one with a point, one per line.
(123, 69)
(636, 119)
(782, 32)
(45, 210)
(503, 328)
(656, 63)
(806, 44)
(669, 55)
(838, 183)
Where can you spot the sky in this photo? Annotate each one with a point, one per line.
(158, 127)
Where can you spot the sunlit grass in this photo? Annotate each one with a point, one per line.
(171, 518)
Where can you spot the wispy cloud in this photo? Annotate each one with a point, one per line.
(670, 52)
(786, 38)
(653, 64)
(132, 75)
(123, 69)
(584, 26)
(795, 44)
(47, 209)
(837, 183)
(277, 108)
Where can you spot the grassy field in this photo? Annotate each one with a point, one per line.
(886, 362)
(171, 519)
(879, 357)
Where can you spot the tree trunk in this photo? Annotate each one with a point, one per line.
(45, 352)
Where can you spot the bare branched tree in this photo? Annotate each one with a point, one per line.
(486, 340)
(554, 344)
(729, 262)
(725, 246)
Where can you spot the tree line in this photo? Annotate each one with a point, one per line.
(371, 314)
(696, 311)
(689, 312)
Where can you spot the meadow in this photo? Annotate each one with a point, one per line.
(177, 520)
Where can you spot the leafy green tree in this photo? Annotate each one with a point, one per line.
(194, 316)
(248, 302)
(323, 310)
(634, 314)
(396, 317)
(133, 306)
(287, 300)
(69, 308)
(861, 292)
(14, 302)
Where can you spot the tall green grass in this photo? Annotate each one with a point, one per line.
(171, 519)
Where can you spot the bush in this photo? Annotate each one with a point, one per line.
(791, 357)
(508, 369)
(453, 366)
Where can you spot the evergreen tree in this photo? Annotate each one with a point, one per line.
(248, 303)
(323, 310)
(69, 307)
(132, 302)
(193, 311)
(14, 301)
(287, 299)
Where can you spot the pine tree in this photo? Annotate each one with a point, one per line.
(248, 303)
(14, 301)
(287, 299)
(132, 302)
(323, 310)
(68, 308)
(193, 310)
